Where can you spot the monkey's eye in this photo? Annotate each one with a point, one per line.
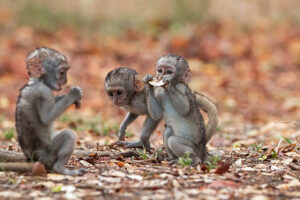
(62, 72)
(119, 92)
(159, 70)
(169, 71)
(110, 94)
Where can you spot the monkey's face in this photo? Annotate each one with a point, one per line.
(165, 73)
(118, 95)
(56, 75)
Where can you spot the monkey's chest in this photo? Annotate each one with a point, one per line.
(182, 126)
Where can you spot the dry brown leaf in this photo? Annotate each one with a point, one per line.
(121, 164)
(222, 167)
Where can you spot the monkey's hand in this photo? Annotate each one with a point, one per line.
(121, 135)
(167, 81)
(148, 78)
(77, 104)
(76, 93)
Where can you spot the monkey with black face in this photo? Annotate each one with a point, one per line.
(176, 104)
(37, 108)
(125, 89)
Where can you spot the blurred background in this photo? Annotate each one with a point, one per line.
(244, 55)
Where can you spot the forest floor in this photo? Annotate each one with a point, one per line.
(251, 74)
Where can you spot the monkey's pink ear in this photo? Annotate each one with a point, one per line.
(35, 67)
(187, 76)
(138, 83)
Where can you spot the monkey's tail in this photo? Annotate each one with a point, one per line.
(211, 109)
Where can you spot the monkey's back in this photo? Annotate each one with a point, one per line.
(28, 124)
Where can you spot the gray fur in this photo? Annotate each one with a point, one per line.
(132, 101)
(176, 104)
(36, 110)
(135, 103)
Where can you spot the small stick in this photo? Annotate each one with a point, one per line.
(279, 143)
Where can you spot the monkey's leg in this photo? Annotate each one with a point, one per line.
(179, 146)
(148, 127)
(167, 134)
(62, 147)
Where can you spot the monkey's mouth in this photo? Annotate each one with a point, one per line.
(119, 104)
(58, 86)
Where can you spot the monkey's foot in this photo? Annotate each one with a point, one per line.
(172, 162)
(196, 161)
(216, 153)
(138, 144)
(170, 158)
(65, 171)
(81, 171)
(75, 172)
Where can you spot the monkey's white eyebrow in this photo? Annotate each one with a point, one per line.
(33, 54)
(64, 66)
(62, 57)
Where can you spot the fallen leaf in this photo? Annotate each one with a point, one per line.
(222, 167)
(56, 188)
(120, 164)
(219, 184)
(134, 177)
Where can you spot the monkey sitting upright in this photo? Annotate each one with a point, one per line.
(37, 108)
(176, 104)
(124, 88)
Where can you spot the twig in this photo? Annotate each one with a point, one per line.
(279, 143)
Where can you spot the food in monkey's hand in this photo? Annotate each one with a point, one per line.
(157, 83)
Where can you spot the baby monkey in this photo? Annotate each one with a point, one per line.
(37, 108)
(125, 88)
(176, 104)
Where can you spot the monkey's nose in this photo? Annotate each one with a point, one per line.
(115, 101)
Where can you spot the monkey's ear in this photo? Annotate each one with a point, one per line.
(35, 67)
(138, 83)
(187, 76)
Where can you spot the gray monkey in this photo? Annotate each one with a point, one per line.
(124, 88)
(37, 108)
(176, 104)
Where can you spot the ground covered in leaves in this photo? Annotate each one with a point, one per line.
(252, 74)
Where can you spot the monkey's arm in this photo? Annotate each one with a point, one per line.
(179, 98)
(58, 98)
(77, 103)
(210, 108)
(49, 110)
(148, 128)
(129, 118)
(154, 108)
